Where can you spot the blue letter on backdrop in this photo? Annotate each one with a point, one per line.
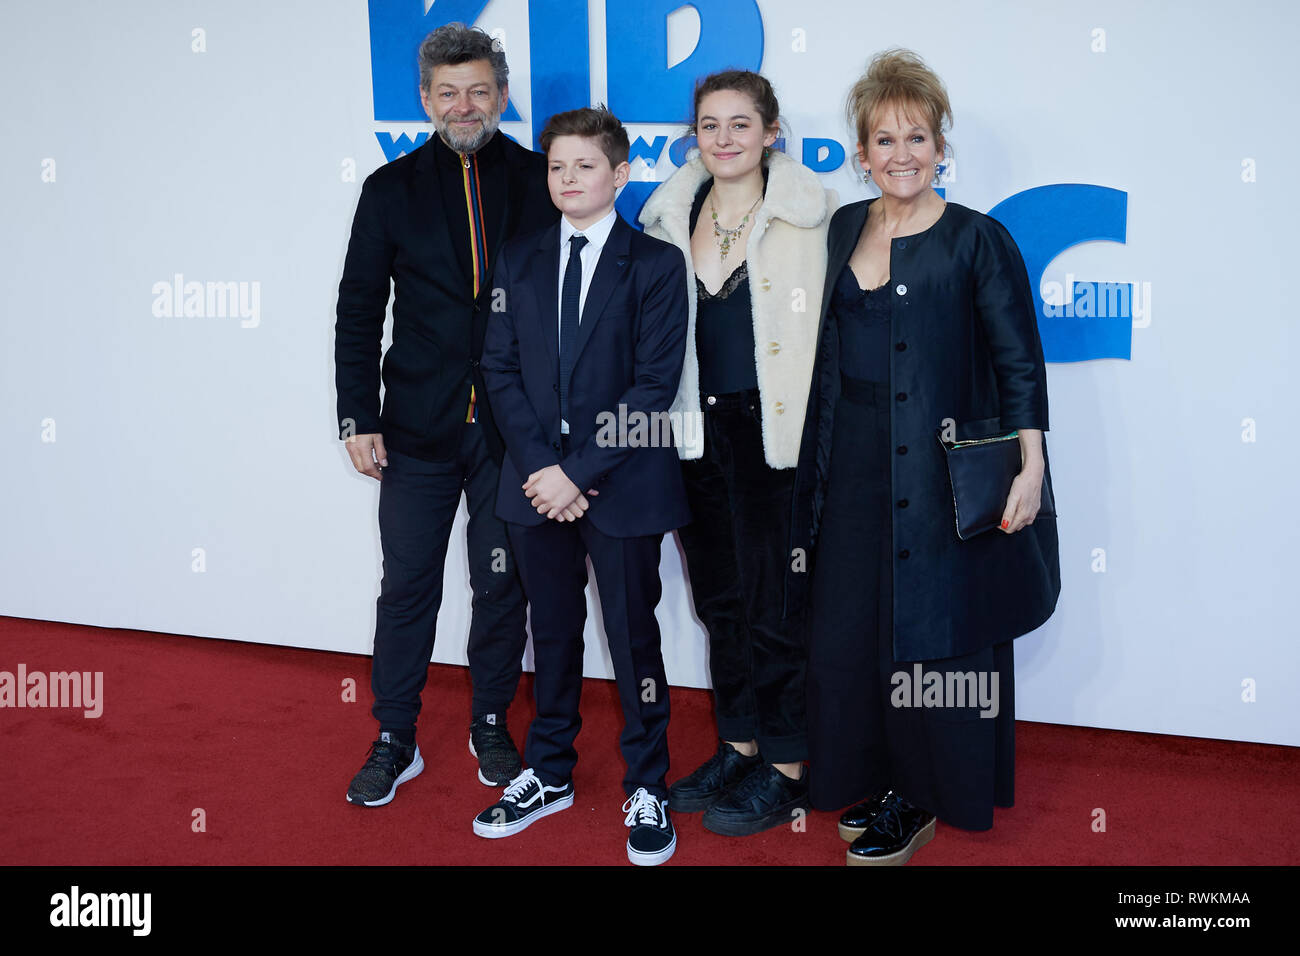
(561, 58)
(1047, 220)
(834, 155)
(642, 87)
(396, 29)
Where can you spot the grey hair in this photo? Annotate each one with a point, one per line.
(455, 43)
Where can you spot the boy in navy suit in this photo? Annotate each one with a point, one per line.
(589, 329)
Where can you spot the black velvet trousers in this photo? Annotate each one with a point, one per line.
(737, 549)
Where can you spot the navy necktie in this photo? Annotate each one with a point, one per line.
(570, 296)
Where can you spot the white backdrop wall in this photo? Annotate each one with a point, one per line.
(179, 472)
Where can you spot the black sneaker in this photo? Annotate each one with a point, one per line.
(388, 764)
(525, 800)
(652, 839)
(898, 830)
(498, 758)
(855, 820)
(766, 798)
(706, 784)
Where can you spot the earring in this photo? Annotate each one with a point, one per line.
(938, 168)
(866, 176)
(767, 151)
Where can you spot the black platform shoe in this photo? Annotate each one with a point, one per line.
(898, 830)
(855, 820)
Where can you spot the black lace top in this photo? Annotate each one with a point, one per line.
(863, 318)
(724, 326)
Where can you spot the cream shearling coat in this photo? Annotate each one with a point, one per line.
(786, 258)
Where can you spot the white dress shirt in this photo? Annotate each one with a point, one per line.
(597, 234)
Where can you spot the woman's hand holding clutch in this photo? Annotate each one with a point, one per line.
(1025, 497)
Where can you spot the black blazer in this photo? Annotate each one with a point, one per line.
(399, 235)
(630, 348)
(964, 346)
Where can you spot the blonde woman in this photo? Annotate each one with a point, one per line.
(927, 319)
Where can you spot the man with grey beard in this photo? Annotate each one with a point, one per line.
(430, 223)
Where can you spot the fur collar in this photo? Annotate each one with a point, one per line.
(794, 194)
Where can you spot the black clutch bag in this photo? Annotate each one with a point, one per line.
(981, 471)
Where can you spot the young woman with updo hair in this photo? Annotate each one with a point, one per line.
(751, 223)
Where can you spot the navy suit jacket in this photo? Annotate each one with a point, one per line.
(628, 359)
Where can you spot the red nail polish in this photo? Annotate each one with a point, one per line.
(1004, 523)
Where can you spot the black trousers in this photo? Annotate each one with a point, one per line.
(417, 505)
(736, 553)
(870, 727)
(553, 565)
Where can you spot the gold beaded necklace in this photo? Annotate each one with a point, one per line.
(723, 235)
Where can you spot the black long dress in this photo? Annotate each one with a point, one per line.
(948, 760)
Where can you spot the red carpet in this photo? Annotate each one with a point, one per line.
(259, 739)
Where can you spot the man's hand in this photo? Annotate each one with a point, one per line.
(553, 494)
(365, 451)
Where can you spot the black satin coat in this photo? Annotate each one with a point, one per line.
(964, 346)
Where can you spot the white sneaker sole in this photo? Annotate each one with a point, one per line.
(482, 779)
(410, 773)
(510, 829)
(652, 859)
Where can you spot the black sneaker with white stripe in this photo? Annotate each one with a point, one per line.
(388, 764)
(652, 839)
(525, 800)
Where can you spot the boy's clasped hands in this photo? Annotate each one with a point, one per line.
(554, 495)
